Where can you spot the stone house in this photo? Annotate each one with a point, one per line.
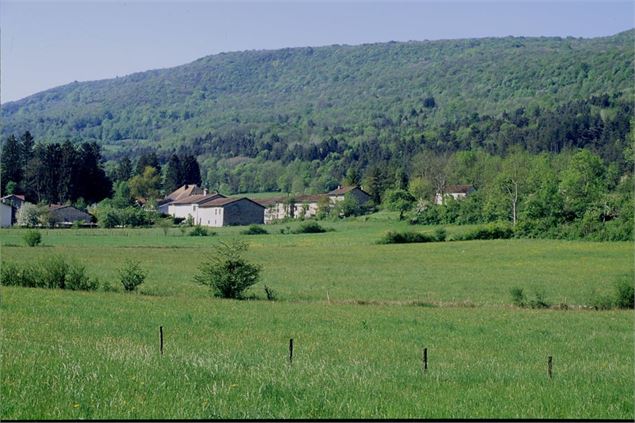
(354, 191)
(457, 192)
(224, 211)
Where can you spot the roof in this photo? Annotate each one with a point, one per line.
(18, 196)
(344, 190)
(184, 192)
(222, 202)
(197, 199)
(308, 198)
(459, 189)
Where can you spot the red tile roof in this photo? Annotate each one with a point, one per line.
(198, 199)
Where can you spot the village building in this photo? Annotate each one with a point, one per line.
(224, 211)
(361, 196)
(188, 206)
(179, 194)
(6, 215)
(14, 201)
(307, 206)
(60, 215)
(457, 192)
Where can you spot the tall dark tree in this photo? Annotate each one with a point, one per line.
(190, 170)
(173, 174)
(67, 184)
(53, 160)
(28, 143)
(11, 162)
(93, 185)
(147, 160)
(124, 170)
(34, 175)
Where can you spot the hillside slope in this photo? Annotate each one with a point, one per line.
(305, 91)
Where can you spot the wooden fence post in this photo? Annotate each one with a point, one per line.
(161, 338)
(550, 367)
(425, 359)
(290, 350)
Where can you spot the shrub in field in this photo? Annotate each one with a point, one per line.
(78, 280)
(601, 301)
(518, 297)
(254, 230)
(539, 300)
(198, 230)
(227, 272)
(131, 275)
(440, 234)
(32, 238)
(625, 293)
(271, 294)
(52, 273)
(165, 225)
(393, 237)
(311, 227)
(491, 231)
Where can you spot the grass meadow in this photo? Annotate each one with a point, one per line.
(359, 313)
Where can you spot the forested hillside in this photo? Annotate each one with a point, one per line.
(306, 94)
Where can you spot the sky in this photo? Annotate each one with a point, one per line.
(50, 43)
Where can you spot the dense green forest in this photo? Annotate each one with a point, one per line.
(413, 116)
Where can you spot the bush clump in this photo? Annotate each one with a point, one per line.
(625, 293)
(131, 275)
(198, 230)
(393, 237)
(227, 272)
(53, 273)
(491, 231)
(254, 230)
(272, 295)
(518, 297)
(440, 234)
(32, 238)
(309, 228)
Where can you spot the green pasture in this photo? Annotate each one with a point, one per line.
(95, 355)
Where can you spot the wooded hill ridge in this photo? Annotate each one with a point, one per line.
(306, 95)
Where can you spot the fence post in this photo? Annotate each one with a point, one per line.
(291, 351)
(161, 338)
(425, 359)
(550, 367)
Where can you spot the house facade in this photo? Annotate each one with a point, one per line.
(181, 193)
(14, 201)
(188, 206)
(457, 192)
(6, 215)
(230, 212)
(361, 196)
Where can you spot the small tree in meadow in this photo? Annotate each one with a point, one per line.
(227, 272)
(32, 238)
(131, 275)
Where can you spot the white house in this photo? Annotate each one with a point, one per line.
(6, 214)
(188, 206)
(183, 192)
(457, 192)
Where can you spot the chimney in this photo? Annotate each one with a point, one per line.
(339, 187)
(204, 191)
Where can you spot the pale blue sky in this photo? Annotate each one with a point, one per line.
(50, 43)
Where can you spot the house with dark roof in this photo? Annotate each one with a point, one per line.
(224, 211)
(297, 207)
(457, 192)
(60, 215)
(15, 201)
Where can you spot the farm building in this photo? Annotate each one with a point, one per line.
(188, 206)
(306, 206)
(457, 192)
(179, 194)
(229, 212)
(15, 202)
(354, 191)
(60, 215)
(6, 215)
